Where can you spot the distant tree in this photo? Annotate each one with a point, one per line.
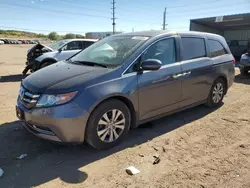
(79, 36)
(40, 35)
(53, 36)
(70, 36)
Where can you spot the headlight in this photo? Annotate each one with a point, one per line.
(50, 100)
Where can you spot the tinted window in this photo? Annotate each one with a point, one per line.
(163, 50)
(216, 48)
(193, 48)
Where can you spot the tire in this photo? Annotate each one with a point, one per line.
(97, 124)
(243, 72)
(216, 94)
(45, 64)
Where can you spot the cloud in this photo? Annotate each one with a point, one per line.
(32, 2)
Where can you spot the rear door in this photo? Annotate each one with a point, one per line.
(196, 67)
(69, 50)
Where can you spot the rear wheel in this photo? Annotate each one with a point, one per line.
(217, 93)
(108, 124)
(243, 72)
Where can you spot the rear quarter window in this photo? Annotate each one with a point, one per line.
(216, 48)
(193, 48)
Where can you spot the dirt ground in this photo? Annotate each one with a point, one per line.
(204, 148)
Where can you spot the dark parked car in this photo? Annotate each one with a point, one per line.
(122, 81)
(6, 41)
(244, 64)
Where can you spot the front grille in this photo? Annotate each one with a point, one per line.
(27, 98)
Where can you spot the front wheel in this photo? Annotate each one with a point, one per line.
(108, 124)
(217, 93)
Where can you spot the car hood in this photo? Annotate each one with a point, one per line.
(61, 76)
(39, 47)
(37, 50)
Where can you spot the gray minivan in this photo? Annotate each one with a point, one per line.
(122, 81)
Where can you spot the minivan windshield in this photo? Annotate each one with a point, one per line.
(58, 44)
(111, 51)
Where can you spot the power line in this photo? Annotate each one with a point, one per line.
(82, 3)
(189, 5)
(51, 10)
(71, 13)
(84, 8)
(179, 6)
(204, 11)
(40, 30)
(210, 8)
(183, 15)
(96, 9)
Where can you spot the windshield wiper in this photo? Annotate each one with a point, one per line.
(89, 63)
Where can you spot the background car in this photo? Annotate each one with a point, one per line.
(2, 42)
(41, 56)
(238, 47)
(244, 64)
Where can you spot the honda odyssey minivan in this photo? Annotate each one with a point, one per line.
(122, 81)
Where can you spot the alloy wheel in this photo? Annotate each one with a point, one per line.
(218, 92)
(111, 125)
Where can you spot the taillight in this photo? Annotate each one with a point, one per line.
(234, 62)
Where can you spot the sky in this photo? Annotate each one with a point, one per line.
(81, 16)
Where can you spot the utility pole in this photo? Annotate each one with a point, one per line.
(113, 13)
(164, 19)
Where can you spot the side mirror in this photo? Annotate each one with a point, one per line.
(60, 49)
(151, 64)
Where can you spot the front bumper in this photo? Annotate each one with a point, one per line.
(33, 64)
(63, 123)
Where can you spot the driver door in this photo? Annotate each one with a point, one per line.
(160, 91)
(69, 50)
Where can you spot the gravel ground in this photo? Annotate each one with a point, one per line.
(198, 148)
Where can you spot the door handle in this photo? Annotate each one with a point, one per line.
(186, 73)
(177, 75)
(182, 74)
